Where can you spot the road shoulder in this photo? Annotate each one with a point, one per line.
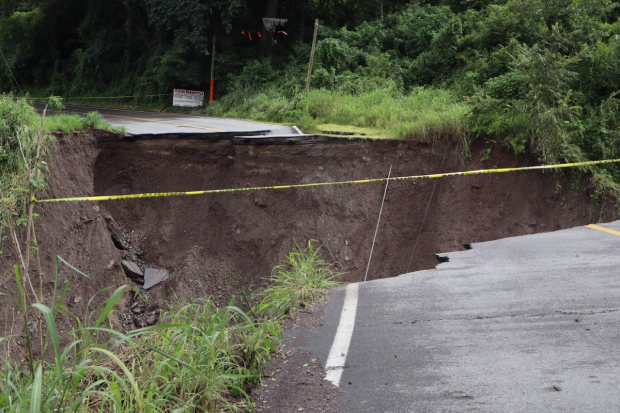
(294, 380)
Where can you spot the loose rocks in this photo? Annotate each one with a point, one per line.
(115, 233)
(132, 270)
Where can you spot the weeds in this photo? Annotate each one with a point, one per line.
(73, 123)
(226, 347)
(297, 282)
(422, 114)
(200, 358)
(24, 140)
(419, 115)
(21, 141)
(198, 361)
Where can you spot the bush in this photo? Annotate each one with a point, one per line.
(336, 54)
(19, 136)
(73, 123)
(493, 119)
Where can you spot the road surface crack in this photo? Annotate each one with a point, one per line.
(491, 317)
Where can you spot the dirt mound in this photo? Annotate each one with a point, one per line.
(217, 244)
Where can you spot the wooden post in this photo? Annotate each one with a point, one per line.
(212, 90)
(316, 29)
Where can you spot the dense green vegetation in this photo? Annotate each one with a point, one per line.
(536, 75)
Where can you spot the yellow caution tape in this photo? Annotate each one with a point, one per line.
(317, 184)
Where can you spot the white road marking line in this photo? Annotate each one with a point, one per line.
(338, 353)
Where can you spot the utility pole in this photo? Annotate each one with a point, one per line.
(212, 90)
(316, 29)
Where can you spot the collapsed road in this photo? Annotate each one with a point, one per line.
(523, 324)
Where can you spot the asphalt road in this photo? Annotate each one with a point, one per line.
(493, 330)
(137, 123)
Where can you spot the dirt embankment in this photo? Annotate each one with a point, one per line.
(75, 231)
(237, 238)
(216, 244)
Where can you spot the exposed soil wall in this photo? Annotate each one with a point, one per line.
(234, 239)
(215, 244)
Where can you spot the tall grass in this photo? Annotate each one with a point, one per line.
(75, 123)
(24, 140)
(201, 359)
(419, 115)
(422, 114)
(301, 279)
(20, 136)
(227, 349)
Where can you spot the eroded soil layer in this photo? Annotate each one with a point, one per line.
(229, 240)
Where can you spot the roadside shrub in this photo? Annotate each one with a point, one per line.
(336, 54)
(255, 72)
(17, 119)
(23, 145)
(73, 123)
(19, 135)
(493, 119)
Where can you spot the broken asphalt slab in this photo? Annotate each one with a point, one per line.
(153, 276)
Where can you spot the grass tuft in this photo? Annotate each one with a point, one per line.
(297, 282)
(74, 123)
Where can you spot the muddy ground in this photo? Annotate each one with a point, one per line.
(219, 244)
